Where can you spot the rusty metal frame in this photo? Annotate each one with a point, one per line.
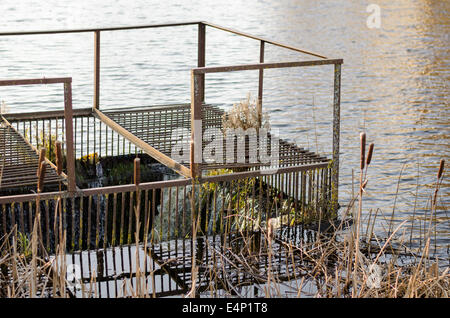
(68, 115)
(198, 78)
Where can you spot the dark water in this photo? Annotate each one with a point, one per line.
(395, 82)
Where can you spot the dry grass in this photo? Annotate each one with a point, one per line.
(245, 115)
(340, 262)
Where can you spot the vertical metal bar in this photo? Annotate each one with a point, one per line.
(96, 69)
(260, 85)
(201, 57)
(336, 134)
(196, 126)
(69, 136)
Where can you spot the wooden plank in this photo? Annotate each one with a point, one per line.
(262, 66)
(166, 160)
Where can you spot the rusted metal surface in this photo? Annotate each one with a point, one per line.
(201, 57)
(336, 134)
(46, 114)
(247, 35)
(35, 81)
(260, 83)
(88, 30)
(96, 103)
(196, 125)
(70, 156)
(262, 66)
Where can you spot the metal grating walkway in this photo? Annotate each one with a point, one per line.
(19, 161)
(155, 125)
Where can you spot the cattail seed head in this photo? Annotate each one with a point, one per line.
(137, 171)
(441, 168)
(58, 155)
(363, 149)
(41, 176)
(41, 158)
(369, 154)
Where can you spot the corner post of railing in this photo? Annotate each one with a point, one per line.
(96, 102)
(201, 57)
(336, 136)
(196, 125)
(260, 84)
(68, 117)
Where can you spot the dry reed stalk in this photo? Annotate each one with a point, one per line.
(40, 160)
(41, 176)
(59, 158)
(358, 219)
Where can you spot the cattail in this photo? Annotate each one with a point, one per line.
(369, 154)
(441, 168)
(41, 158)
(58, 155)
(363, 149)
(137, 171)
(41, 176)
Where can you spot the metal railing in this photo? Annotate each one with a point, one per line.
(198, 81)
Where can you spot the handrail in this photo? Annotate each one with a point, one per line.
(251, 36)
(162, 25)
(201, 48)
(262, 66)
(133, 27)
(154, 184)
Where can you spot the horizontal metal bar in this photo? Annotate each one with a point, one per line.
(256, 173)
(262, 66)
(134, 27)
(262, 39)
(94, 191)
(46, 115)
(155, 184)
(33, 81)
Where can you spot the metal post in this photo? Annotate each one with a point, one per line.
(336, 134)
(96, 69)
(70, 156)
(196, 125)
(201, 57)
(260, 85)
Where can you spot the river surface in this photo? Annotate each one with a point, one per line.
(395, 80)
